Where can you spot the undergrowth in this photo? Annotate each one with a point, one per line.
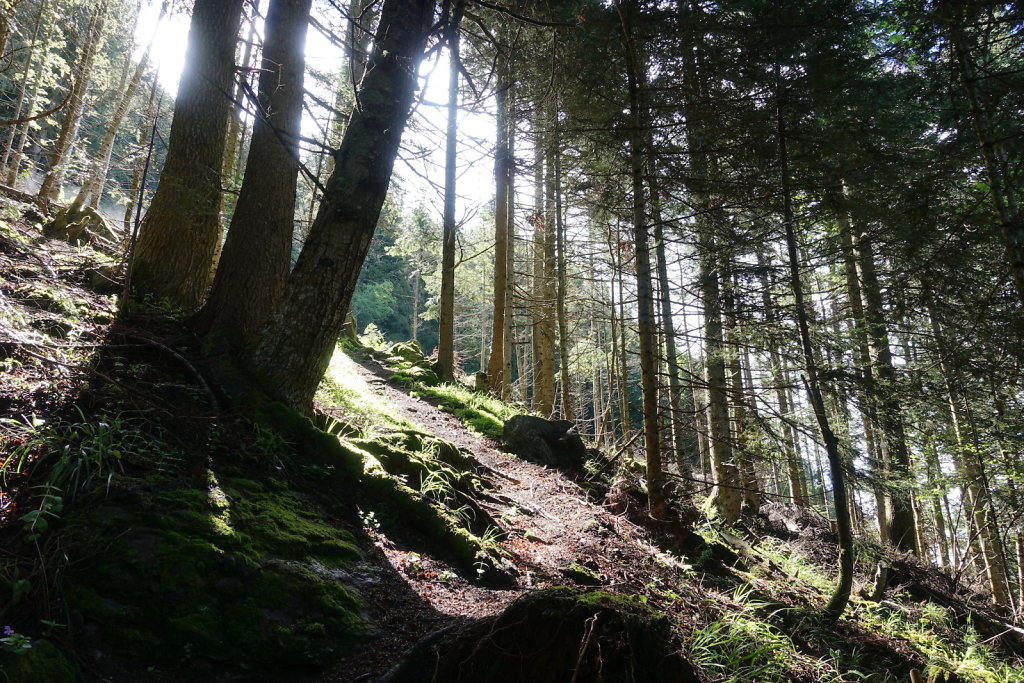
(480, 412)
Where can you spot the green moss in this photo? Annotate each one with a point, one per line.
(483, 414)
(44, 661)
(553, 635)
(232, 570)
(581, 575)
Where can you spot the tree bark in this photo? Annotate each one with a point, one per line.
(92, 188)
(501, 319)
(180, 233)
(646, 327)
(58, 157)
(257, 253)
(844, 525)
(446, 318)
(1002, 187)
(298, 339)
(891, 437)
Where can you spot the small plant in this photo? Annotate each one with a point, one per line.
(14, 642)
(413, 563)
(373, 338)
(370, 521)
(38, 521)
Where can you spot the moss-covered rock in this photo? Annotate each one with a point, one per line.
(410, 366)
(553, 636)
(44, 661)
(235, 571)
(584, 576)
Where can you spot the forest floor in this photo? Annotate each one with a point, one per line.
(549, 522)
(149, 533)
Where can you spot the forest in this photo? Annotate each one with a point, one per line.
(511, 340)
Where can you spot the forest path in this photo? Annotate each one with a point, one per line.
(548, 521)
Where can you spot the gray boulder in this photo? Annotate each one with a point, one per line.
(554, 443)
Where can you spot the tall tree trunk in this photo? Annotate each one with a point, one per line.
(257, 253)
(646, 327)
(841, 596)
(446, 317)
(543, 263)
(562, 281)
(40, 26)
(503, 235)
(181, 231)
(780, 378)
(891, 437)
(862, 361)
(60, 154)
(298, 339)
(675, 383)
(972, 471)
(92, 188)
(1001, 179)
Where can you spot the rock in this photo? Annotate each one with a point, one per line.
(76, 225)
(554, 443)
(409, 351)
(552, 636)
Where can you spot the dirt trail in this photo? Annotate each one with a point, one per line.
(549, 524)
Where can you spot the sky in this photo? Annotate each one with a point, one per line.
(475, 183)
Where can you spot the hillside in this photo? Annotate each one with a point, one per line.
(150, 531)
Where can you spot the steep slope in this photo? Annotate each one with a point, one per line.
(150, 532)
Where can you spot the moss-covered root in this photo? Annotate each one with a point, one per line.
(471, 555)
(553, 636)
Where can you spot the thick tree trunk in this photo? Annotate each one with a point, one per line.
(257, 253)
(446, 317)
(179, 236)
(298, 340)
(543, 322)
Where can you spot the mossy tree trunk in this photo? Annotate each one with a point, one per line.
(254, 263)
(178, 238)
(296, 343)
